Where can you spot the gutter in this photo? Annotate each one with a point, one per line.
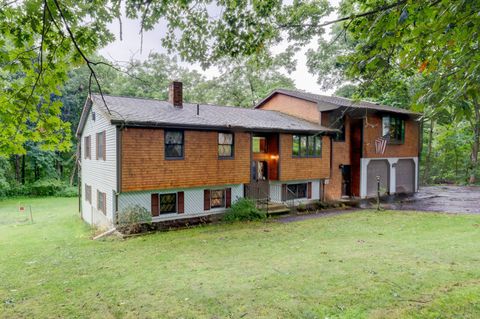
(218, 128)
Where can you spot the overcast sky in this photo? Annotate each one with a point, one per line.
(129, 48)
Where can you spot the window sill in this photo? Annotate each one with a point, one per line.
(174, 158)
(226, 157)
(294, 156)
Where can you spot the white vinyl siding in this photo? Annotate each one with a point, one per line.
(101, 175)
(193, 199)
(276, 190)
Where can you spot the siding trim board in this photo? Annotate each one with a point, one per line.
(191, 127)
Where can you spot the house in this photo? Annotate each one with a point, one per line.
(375, 140)
(182, 161)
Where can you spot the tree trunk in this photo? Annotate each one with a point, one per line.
(476, 142)
(18, 177)
(428, 158)
(24, 159)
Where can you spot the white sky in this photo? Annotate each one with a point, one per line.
(129, 48)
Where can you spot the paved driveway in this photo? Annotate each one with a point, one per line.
(449, 199)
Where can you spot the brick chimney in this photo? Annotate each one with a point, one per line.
(175, 94)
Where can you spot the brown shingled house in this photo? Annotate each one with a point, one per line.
(182, 160)
(358, 155)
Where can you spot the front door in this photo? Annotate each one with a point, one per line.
(259, 187)
(346, 180)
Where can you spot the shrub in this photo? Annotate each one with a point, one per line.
(244, 209)
(67, 191)
(46, 187)
(132, 219)
(301, 207)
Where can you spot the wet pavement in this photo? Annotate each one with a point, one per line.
(448, 199)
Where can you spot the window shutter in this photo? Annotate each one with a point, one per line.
(206, 199)
(181, 203)
(85, 148)
(309, 190)
(105, 203)
(96, 145)
(155, 205)
(284, 192)
(228, 197)
(104, 145)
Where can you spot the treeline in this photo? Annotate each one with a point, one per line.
(39, 172)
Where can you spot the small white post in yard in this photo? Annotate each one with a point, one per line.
(378, 193)
(31, 215)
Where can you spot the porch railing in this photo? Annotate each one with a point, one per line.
(259, 193)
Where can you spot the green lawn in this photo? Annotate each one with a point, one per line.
(375, 265)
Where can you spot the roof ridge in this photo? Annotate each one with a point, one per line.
(158, 100)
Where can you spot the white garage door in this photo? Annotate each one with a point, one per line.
(378, 168)
(405, 176)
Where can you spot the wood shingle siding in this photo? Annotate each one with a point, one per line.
(295, 168)
(144, 166)
(373, 130)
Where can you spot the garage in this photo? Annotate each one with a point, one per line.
(378, 168)
(405, 176)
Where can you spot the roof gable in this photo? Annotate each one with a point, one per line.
(329, 103)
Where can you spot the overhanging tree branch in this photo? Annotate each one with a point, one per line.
(352, 17)
(82, 54)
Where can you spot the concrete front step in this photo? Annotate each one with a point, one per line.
(275, 208)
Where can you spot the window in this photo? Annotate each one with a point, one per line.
(217, 198)
(225, 144)
(393, 129)
(297, 191)
(168, 203)
(259, 144)
(101, 202)
(88, 147)
(307, 146)
(340, 125)
(88, 193)
(173, 144)
(101, 146)
(296, 145)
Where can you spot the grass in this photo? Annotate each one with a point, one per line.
(358, 265)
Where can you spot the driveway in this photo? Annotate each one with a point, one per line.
(448, 199)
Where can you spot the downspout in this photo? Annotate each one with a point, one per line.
(119, 170)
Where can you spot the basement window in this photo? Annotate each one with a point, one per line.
(295, 191)
(168, 203)
(217, 198)
(102, 202)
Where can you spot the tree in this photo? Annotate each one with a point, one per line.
(43, 39)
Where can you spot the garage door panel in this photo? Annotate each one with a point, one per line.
(405, 176)
(378, 168)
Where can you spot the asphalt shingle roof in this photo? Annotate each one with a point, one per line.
(149, 112)
(334, 102)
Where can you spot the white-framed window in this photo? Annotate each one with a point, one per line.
(295, 191)
(217, 198)
(225, 145)
(168, 203)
